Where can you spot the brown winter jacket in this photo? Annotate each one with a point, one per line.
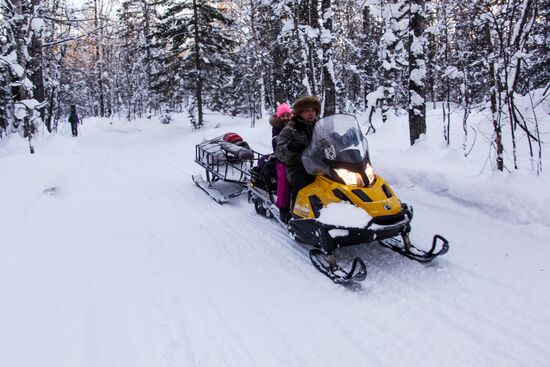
(299, 131)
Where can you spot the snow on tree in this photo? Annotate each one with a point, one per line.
(195, 41)
(21, 56)
(417, 71)
(329, 77)
(393, 50)
(137, 17)
(239, 58)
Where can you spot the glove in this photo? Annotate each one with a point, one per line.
(296, 147)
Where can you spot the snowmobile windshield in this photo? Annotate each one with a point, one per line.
(337, 142)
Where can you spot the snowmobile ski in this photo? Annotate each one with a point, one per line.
(404, 247)
(213, 192)
(357, 272)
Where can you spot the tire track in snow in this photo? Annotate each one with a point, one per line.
(476, 316)
(318, 277)
(498, 323)
(243, 248)
(425, 294)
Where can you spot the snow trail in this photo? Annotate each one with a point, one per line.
(127, 262)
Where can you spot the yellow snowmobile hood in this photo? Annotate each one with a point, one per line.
(379, 200)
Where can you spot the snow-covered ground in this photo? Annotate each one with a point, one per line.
(111, 256)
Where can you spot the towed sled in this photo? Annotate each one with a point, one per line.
(227, 161)
(338, 158)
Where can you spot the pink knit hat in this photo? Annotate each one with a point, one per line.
(283, 108)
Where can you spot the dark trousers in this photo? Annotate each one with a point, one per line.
(299, 180)
(74, 129)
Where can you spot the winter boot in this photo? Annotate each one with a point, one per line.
(284, 215)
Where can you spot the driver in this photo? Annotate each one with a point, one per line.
(295, 137)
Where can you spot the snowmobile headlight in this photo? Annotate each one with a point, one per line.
(369, 171)
(350, 178)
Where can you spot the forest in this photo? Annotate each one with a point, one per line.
(141, 58)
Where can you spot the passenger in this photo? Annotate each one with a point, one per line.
(278, 121)
(294, 138)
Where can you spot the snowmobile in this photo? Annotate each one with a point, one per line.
(227, 161)
(338, 158)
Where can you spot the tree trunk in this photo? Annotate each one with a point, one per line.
(36, 63)
(312, 19)
(329, 83)
(417, 71)
(278, 75)
(446, 105)
(150, 103)
(21, 93)
(198, 74)
(258, 64)
(466, 106)
(98, 64)
(277, 52)
(389, 43)
(493, 98)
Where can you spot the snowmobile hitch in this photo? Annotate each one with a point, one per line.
(407, 249)
(327, 265)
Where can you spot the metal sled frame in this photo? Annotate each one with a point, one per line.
(232, 170)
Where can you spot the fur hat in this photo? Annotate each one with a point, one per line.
(283, 108)
(305, 103)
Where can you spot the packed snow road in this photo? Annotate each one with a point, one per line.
(111, 256)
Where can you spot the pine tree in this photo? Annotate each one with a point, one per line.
(329, 77)
(22, 64)
(136, 17)
(196, 46)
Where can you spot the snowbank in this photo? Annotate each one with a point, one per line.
(519, 196)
